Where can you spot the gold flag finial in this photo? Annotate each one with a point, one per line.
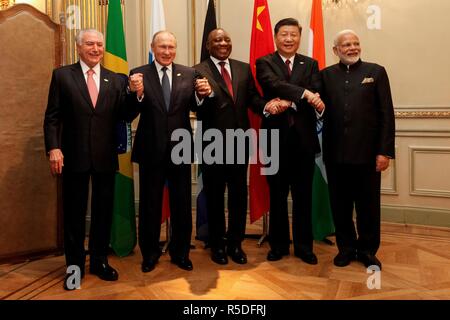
(5, 4)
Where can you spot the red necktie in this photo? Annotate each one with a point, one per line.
(288, 66)
(226, 77)
(92, 87)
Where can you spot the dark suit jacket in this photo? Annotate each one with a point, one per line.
(359, 118)
(86, 135)
(156, 124)
(272, 75)
(224, 111)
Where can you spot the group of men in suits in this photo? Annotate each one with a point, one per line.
(358, 143)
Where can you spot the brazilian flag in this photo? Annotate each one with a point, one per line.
(123, 232)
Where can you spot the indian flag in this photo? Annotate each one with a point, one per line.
(123, 231)
(322, 218)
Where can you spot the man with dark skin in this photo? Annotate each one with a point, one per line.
(234, 92)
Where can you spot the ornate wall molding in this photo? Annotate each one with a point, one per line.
(391, 188)
(414, 157)
(423, 112)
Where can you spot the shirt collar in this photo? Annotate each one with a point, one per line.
(351, 66)
(85, 68)
(159, 66)
(216, 61)
(286, 58)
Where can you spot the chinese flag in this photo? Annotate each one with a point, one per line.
(261, 44)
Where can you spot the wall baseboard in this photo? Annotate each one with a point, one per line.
(416, 216)
(395, 219)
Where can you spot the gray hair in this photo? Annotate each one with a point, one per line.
(82, 32)
(341, 33)
(161, 32)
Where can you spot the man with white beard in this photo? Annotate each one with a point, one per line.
(358, 142)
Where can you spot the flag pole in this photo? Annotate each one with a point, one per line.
(265, 232)
(167, 242)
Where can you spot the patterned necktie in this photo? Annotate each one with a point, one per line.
(92, 87)
(226, 77)
(290, 111)
(165, 87)
(288, 66)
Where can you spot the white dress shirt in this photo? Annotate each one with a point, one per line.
(161, 73)
(85, 68)
(219, 67)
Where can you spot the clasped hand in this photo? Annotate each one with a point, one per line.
(277, 106)
(202, 88)
(314, 100)
(136, 83)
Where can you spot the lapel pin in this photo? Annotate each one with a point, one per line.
(178, 74)
(106, 80)
(302, 62)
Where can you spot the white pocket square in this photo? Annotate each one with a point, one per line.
(368, 80)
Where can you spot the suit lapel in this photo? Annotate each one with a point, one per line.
(104, 81)
(78, 76)
(176, 78)
(217, 76)
(282, 69)
(298, 68)
(234, 79)
(155, 86)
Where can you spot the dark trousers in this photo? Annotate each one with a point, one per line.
(215, 179)
(151, 186)
(75, 200)
(296, 172)
(355, 187)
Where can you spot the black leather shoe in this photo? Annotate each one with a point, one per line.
(148, 265)
(343, 259)
(237, 255)
(368, 260)
(104, 271)
(277, 254)
(183, 263)
(219, 256)
(307, 256)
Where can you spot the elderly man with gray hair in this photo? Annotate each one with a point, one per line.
(84, 104)
(358, 143)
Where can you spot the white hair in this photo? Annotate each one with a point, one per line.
(341, 33)
(82, 32)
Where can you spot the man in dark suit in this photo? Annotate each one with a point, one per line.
(165, 94)
(84, 103)
(358, 141)
(234, 92)
(293, 77)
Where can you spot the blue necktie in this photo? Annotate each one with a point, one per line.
(165, 87)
